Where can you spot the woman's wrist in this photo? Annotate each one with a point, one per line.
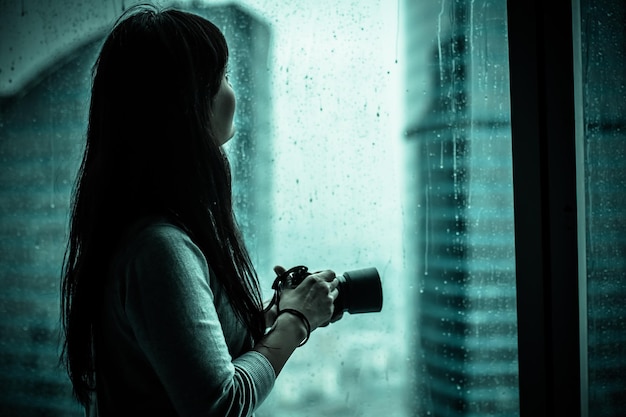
(291, 323)
(287, 333)
(303, 320)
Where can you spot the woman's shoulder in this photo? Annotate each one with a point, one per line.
(155, 238)
(155, 228)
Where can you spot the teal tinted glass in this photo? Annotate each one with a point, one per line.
(603, 145)
(460, 145)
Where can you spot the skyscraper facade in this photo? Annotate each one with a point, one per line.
(464, 244)
(603, 144)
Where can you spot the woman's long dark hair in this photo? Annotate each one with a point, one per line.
(151, 150)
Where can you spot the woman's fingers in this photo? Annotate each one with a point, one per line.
(322, 277)
(328, 275)
(325, 283)
(279, 270)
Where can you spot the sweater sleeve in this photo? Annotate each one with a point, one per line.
(170, 307)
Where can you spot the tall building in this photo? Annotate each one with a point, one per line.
(603, 56)
(463, 200)
(42, 130)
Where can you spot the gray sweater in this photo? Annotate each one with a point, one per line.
(170, 344)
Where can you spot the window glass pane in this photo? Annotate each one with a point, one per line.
(41, 136)
(331, 159)
(459, 137)
(370, 133)
(604, 87)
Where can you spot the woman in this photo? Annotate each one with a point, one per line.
(161, 307)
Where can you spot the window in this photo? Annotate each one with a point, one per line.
(417, 137)
(603, 152)
(565, 118)
(464, 247)
(40, 150)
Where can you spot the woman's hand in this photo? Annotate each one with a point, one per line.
(314, 297)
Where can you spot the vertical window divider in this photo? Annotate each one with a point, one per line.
(581, 211)
(544, 183)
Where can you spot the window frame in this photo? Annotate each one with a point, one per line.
(542, 41)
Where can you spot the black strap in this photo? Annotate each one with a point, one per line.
(304, 320)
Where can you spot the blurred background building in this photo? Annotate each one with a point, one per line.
(463, 199)
(41, 132)
(603, 145)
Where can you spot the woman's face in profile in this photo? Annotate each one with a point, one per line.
(224, 112)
